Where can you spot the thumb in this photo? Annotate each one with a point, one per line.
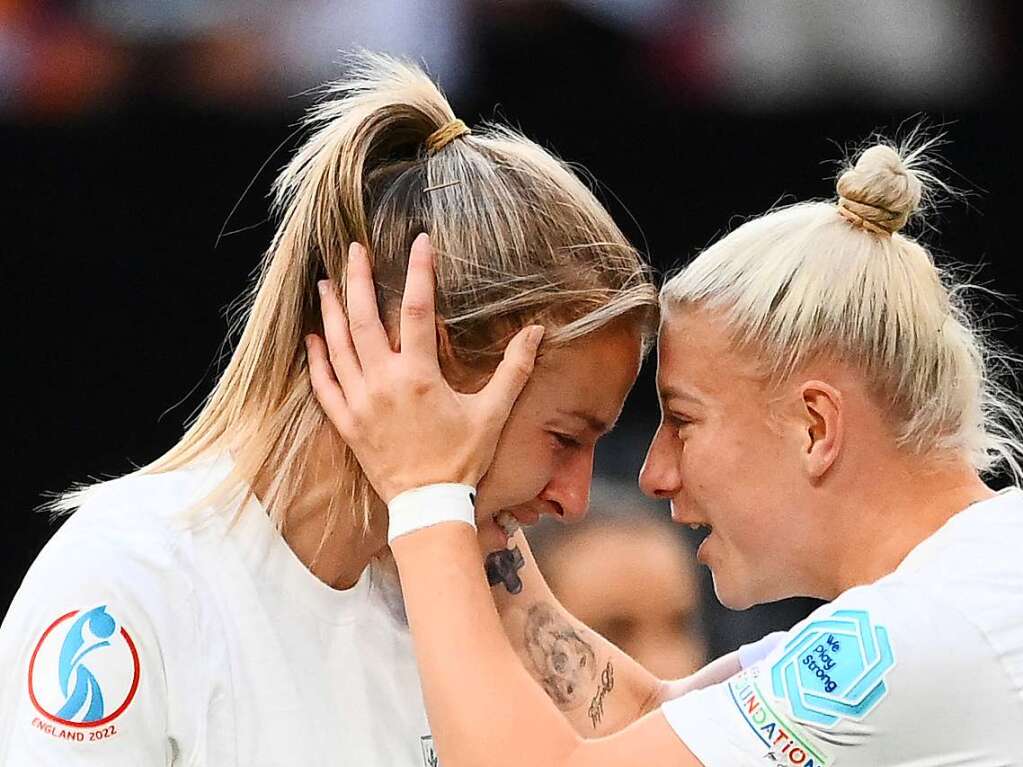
(512, 373)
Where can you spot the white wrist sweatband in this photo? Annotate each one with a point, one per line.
(754, 652)
(430, 505)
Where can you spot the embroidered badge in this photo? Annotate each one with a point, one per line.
(834, 669)
(83, 673)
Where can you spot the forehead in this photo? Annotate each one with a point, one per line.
(592, 374)
(696, 359)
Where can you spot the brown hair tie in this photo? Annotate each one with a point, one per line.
(445, 134)
(856, 219)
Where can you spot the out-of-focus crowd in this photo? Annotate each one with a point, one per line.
(64, 57)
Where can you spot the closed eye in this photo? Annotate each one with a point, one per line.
(565, 441)
(677, 422)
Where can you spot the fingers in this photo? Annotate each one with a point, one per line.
(329, 393)
(418, 328)
(367, 332)
(513, 373)
(340, 349)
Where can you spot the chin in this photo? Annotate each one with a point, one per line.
(734, 596)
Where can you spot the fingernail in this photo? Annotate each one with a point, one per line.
(422, 236)
(308, 342)
(322, 287)
(536, 335)
(354, 250)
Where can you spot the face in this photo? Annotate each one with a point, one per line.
(637, 587)
(544, 460)
(729, 460)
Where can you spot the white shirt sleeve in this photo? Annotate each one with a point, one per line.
(885, 675)
(83, 678)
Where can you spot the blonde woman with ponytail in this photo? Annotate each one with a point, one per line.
(829, 407)
(234, 603)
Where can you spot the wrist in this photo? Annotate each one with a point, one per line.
(397, 484)
(430, 505)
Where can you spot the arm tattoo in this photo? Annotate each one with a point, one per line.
(563, 662)
(607, 683)
(503, 567)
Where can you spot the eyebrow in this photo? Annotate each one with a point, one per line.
(595, 424)
(670, 392)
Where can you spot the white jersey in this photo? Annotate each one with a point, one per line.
(137, 639)
(923, 667)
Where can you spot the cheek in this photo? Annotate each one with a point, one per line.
(517, 475)
(711, 463)
(736, 462)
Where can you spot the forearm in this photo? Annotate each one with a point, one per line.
(472, 679)
(724, 667)
(714, 672)
(597, 687)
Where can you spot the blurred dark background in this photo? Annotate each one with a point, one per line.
(139, 138)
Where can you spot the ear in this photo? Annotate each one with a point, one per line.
(825, 427)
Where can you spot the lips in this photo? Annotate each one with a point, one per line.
(703, 527)
(702, 532)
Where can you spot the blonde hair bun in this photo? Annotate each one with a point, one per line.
(880, 189)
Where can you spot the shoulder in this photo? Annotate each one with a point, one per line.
(84, 643)
(101, 636)
(111, 560)
(121, 559)
(884, 674)
(169, 498)
(138, 521)
(979, 543)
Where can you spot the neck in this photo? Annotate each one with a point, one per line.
(337, 552)
(873, 533)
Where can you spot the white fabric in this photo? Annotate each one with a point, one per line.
(245, 658)
(754, 652)
(950, 692)
(430, 505)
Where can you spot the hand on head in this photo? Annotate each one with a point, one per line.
(405, 424)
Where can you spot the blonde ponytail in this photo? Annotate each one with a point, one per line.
(520, 239)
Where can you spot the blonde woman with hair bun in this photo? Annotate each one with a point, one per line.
(829, 409)
(234, 602)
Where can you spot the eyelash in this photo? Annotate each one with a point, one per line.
(565, 441)
(678, 423)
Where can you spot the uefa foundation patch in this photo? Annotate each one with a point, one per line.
(785, 742)
(83, 674)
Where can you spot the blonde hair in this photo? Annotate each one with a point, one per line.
(519, 240)
(820, 280)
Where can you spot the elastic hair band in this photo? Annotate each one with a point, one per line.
(445, 134)
(856, 219)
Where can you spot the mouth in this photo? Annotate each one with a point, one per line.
(702, 532)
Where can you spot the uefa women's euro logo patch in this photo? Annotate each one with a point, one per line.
(834, 669)
(84, 671)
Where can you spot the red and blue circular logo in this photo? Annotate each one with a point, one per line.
(84, 671)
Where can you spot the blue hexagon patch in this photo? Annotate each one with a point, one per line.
(834, 669)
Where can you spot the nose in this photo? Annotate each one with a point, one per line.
(660, 476)
(570, 487)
